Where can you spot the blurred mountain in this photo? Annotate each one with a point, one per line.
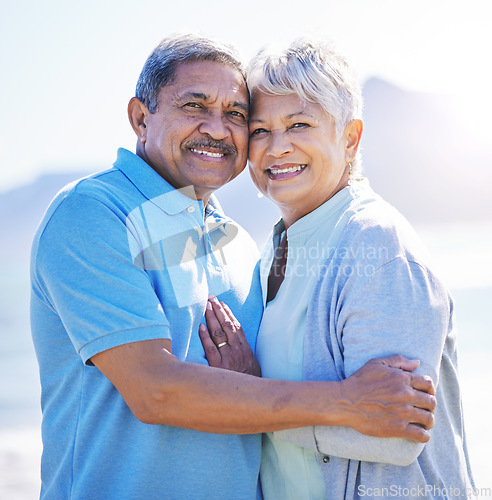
(426, 154)
(418, 152)
(21, 211)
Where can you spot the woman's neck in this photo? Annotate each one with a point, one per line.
(291, 215)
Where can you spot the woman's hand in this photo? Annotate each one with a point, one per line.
(224, 341)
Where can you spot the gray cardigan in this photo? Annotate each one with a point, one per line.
(377, 296)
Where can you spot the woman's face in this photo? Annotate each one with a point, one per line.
(295, 157)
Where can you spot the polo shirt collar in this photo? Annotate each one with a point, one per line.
(156, 188)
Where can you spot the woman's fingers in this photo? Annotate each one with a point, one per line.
(211, 350)
(224, 341)
(218, 333)
(238, 330)
(249, 363)
(227, 323)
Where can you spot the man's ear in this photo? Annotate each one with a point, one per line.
(353, 134)
(137, 114)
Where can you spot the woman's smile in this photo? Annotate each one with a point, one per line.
(285, 171)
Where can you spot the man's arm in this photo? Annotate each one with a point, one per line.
(160, 389)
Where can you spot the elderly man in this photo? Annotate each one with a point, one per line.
(123, 264)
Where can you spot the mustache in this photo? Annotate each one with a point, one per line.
(211, 143)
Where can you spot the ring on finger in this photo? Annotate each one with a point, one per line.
(222, 344)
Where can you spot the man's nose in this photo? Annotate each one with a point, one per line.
(214, 125)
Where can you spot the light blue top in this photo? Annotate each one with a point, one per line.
(376, 295)
(121, 257)
(289, 471)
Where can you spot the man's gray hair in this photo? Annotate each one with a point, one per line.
(317, 73)
(160, 68)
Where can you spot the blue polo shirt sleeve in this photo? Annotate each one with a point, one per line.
(85, 273)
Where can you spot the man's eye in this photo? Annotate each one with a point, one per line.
(258, 131)
(192, 105)
(238, 114)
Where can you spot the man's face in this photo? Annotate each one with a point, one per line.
(199, 134)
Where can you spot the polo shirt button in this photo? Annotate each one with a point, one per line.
(190, 209)
(325, 459)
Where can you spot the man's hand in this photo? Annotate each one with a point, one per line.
(385, 399)
(224, 341)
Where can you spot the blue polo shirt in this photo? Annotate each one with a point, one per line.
(121, 256)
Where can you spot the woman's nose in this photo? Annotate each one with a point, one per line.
(279, 145)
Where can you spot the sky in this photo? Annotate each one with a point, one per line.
(69, 68)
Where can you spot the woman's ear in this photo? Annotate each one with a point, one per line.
(353, 134)
(137, 114)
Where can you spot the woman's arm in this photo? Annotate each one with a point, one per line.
(400, 308)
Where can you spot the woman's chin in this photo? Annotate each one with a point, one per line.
(288, 199)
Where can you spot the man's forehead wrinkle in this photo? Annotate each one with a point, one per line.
(241, 105)
(190, 94)
(230, 98)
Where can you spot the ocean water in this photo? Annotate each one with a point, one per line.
(462, 255)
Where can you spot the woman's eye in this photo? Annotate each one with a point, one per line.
(299, 125)
(257, 131)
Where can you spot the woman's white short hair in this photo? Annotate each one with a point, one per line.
(317, 73)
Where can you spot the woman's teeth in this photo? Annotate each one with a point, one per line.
(276, 171)
(207, 153)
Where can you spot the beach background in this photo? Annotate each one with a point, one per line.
(69, 70)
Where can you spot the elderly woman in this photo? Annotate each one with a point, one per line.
(344, 280)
